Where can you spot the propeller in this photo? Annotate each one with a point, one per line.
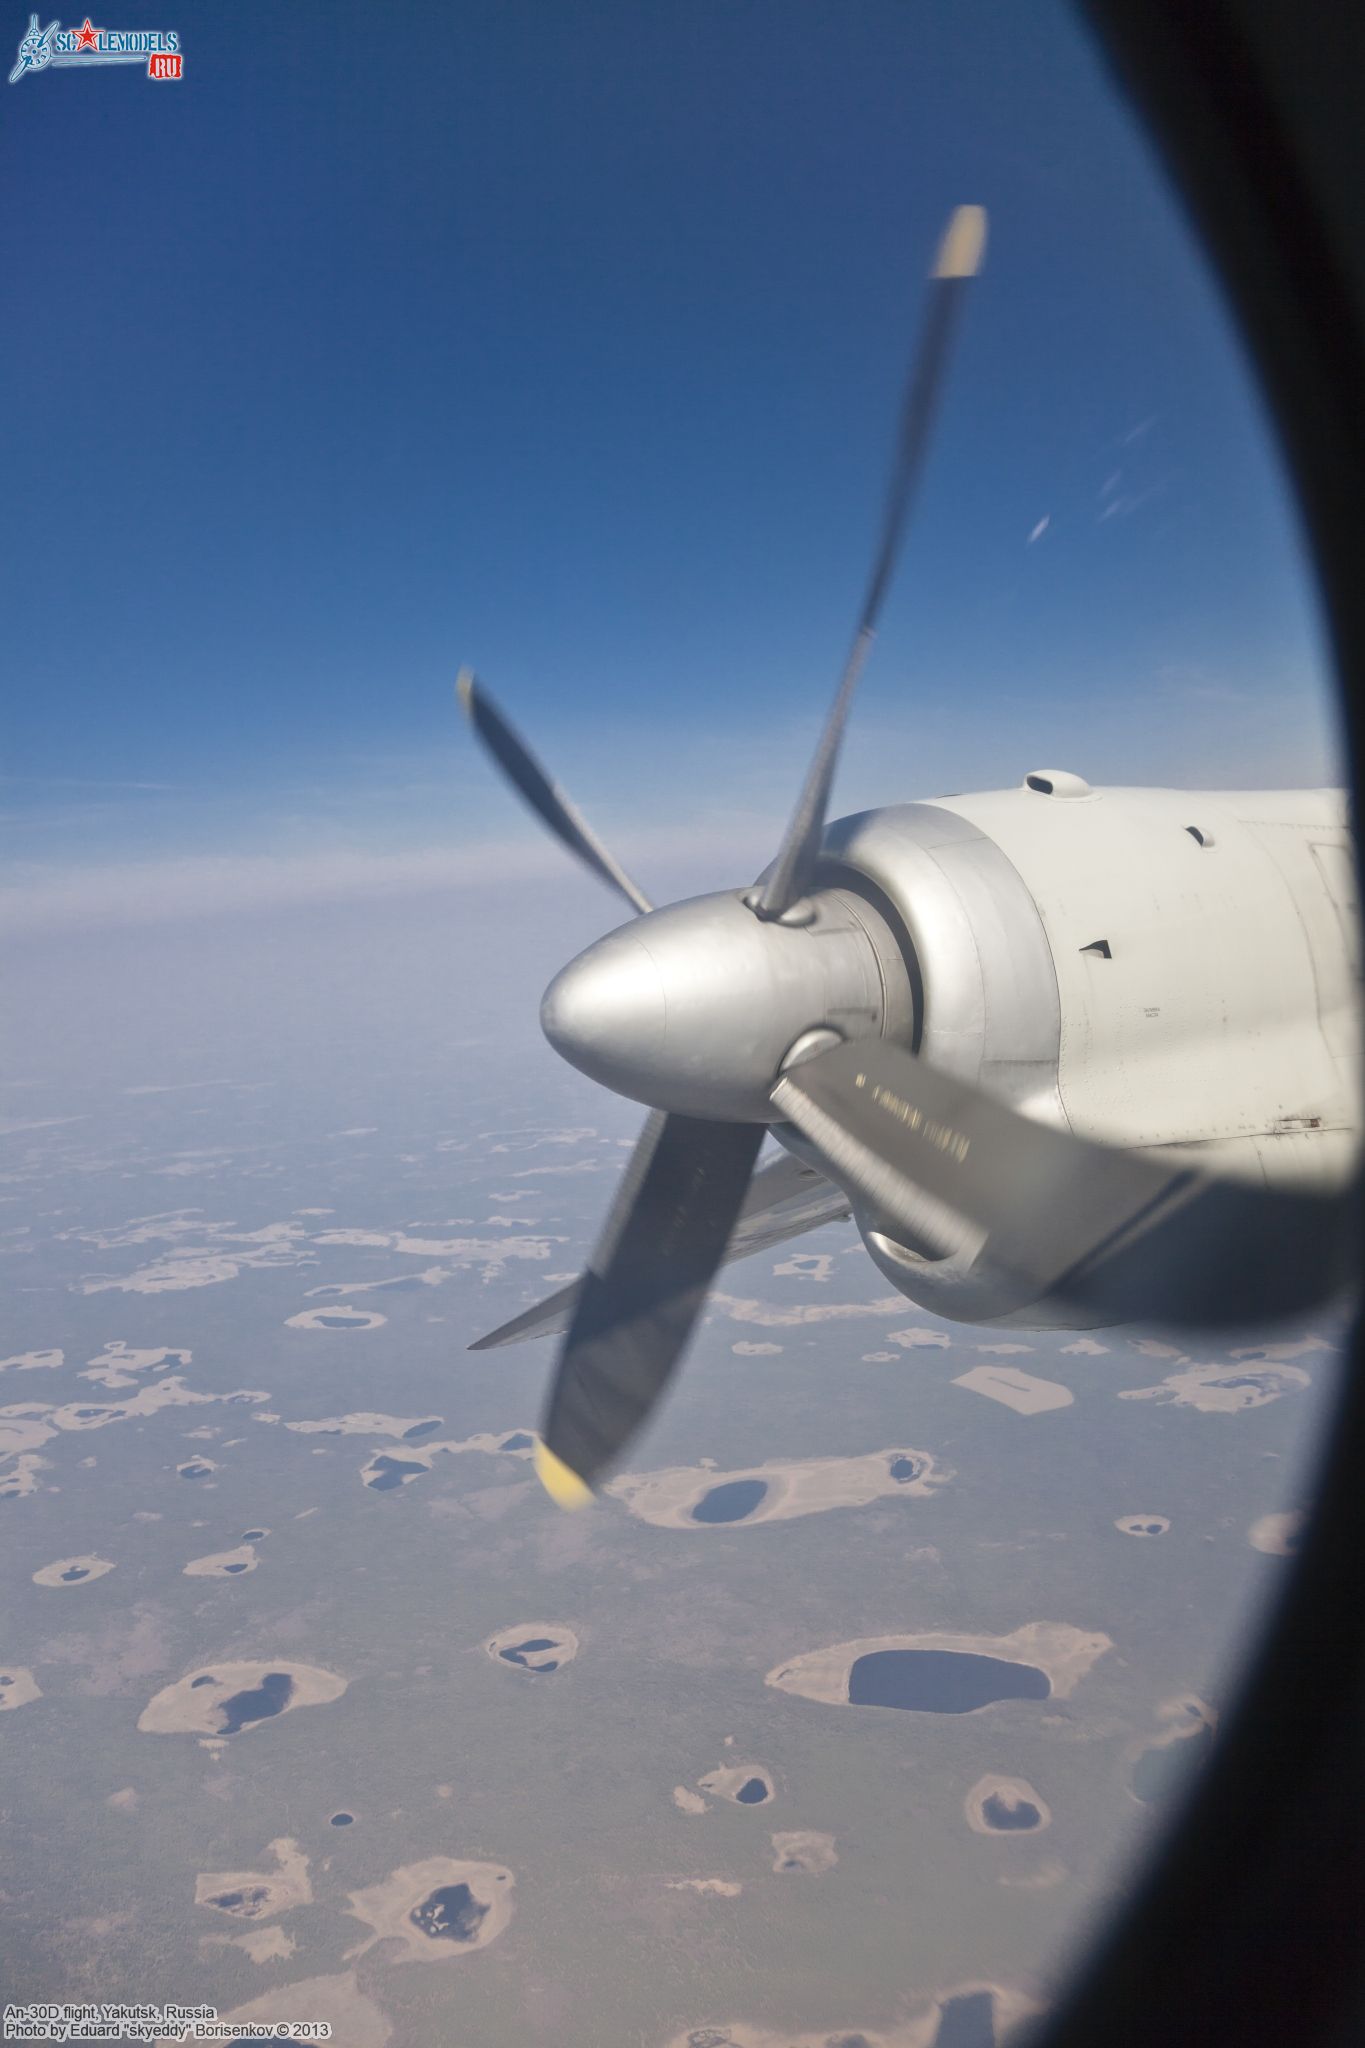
(685, 1187)
(1086, 1223)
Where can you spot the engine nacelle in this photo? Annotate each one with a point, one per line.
(1153, 968)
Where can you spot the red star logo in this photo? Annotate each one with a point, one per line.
(86, 39)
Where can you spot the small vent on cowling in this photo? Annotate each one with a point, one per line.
(1199, 836)
(1101, 947)
(1057, 782)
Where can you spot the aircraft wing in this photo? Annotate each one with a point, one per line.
(786, 1198)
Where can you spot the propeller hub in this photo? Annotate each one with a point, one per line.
(695, 1008)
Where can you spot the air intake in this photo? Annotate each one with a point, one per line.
(1057, 782)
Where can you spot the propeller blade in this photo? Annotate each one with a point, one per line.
(546, 798)
(543, 1319)
(959, 259)
(642, 1293)
(1132, 1235)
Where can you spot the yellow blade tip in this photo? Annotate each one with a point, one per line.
(963, 247)
(563, 1485)
(464, 686)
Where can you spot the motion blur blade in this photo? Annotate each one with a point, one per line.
(543, 1319)
(959, 259)
(642, 1292)
(1129, 1235)
(785, 1199)
(546, 798)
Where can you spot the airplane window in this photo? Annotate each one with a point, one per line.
(682, 1413)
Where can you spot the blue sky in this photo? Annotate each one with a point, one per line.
(567, 340)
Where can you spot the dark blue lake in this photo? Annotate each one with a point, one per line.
(999, 1814)
(730, 1502)
(967, 2022)
(519, 1653)
(941, 1681)
(258, 1703)
(450, 1914)
(386, 1473)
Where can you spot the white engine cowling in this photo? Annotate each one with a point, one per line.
(1147, 967)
